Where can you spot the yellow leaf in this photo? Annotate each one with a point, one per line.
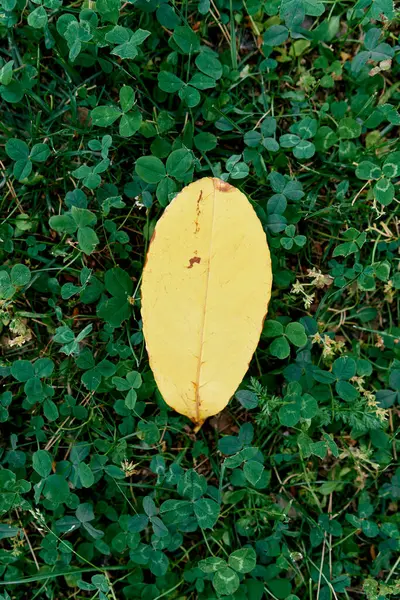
(205, 291)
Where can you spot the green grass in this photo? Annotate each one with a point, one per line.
(107, 111)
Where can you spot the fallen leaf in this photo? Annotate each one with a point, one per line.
(205, 291)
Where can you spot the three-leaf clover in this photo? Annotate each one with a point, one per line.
(299, 138)
(11, 489)
(81, 221)
(130, 384)
(293, 333)
(89, 290)
(320, 449)
(24, 158)
(225, 577)
(291, 239)
(179, 166)
(362, 521)
(242, 454)
(375, 50)
(285, 189)
(354, 242)
(65, 335)
(10, 283)
(126, 41)
(129, 114)
(117, 308)
(83, 516)
(343, 369)
(31, 374)
(76, 33)
(205, 511)
(266, 138)
(90, 176)
(99, 583)
(236, 168)
(210, 70)
(152, 170)
(297, 405)
(94, 373)
(383, 189)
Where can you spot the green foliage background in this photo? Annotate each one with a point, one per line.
(107, 110)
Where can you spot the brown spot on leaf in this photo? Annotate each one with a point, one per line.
(193, 260)
(198, 211)
(222, 186)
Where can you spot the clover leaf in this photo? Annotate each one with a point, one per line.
(291, 239)
(117, 308)
(129, 115)
(130, 384)
(81, 221)
(12, 282)
(24, 158)
(293, 332)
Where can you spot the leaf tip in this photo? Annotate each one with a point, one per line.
(222, 186)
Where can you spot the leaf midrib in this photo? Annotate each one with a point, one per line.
(204, 315)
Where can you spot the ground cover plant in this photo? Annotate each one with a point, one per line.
(107, 110)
